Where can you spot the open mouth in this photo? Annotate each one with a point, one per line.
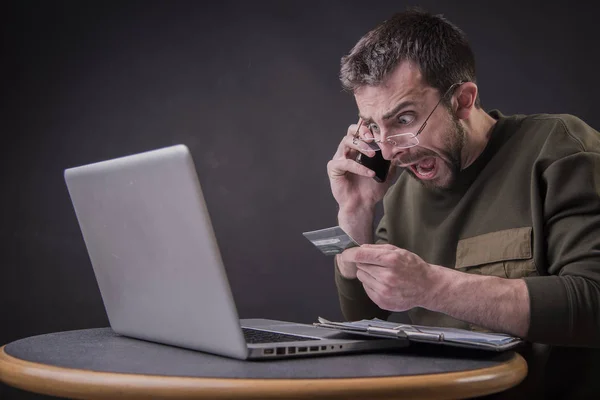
(425, 169)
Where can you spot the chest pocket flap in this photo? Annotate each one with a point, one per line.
(505, 253)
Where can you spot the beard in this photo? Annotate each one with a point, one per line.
(454, 142)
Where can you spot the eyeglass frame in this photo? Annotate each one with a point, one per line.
(379, 141)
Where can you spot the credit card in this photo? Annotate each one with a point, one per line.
(331, 241)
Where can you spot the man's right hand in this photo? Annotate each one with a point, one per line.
(355, 191)
(352, 184)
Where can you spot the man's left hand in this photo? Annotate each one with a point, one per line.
(395, 279)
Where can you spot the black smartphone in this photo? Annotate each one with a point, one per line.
(377, 163)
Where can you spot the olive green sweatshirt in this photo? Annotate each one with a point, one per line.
(527, 208)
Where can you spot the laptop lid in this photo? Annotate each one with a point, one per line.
(151, 244)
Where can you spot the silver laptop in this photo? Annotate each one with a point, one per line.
(153, 250)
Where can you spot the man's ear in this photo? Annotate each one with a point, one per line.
(466, 94)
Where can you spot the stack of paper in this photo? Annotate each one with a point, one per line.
(427, 334)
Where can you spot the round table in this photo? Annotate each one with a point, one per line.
(98, 363)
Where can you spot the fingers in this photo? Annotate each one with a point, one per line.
(380, 246)
(384, 255)
(350, 146)
(382, 301)
(369, 280)
(359, 129)
(373, 289)
(375, 272)
(353, 145)
(338, 168)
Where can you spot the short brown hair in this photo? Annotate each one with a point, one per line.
(438, 47)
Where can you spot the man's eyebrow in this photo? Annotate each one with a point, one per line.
(397, 109)
(391, 113)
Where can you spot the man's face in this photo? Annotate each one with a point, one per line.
(400, 105)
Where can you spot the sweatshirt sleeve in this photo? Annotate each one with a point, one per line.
(354, 302)
(565, 304)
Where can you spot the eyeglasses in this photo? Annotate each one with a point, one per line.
(400, 140)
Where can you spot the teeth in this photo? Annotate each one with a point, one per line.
(423, 172)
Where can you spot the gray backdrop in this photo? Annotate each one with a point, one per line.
(252, 89)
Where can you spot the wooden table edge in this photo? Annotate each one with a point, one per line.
(86, 384)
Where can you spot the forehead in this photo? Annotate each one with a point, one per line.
(405, 83)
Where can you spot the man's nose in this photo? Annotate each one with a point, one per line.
(387, 150)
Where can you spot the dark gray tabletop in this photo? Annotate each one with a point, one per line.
(104, 351)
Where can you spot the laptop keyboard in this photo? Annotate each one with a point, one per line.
(256, 336)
